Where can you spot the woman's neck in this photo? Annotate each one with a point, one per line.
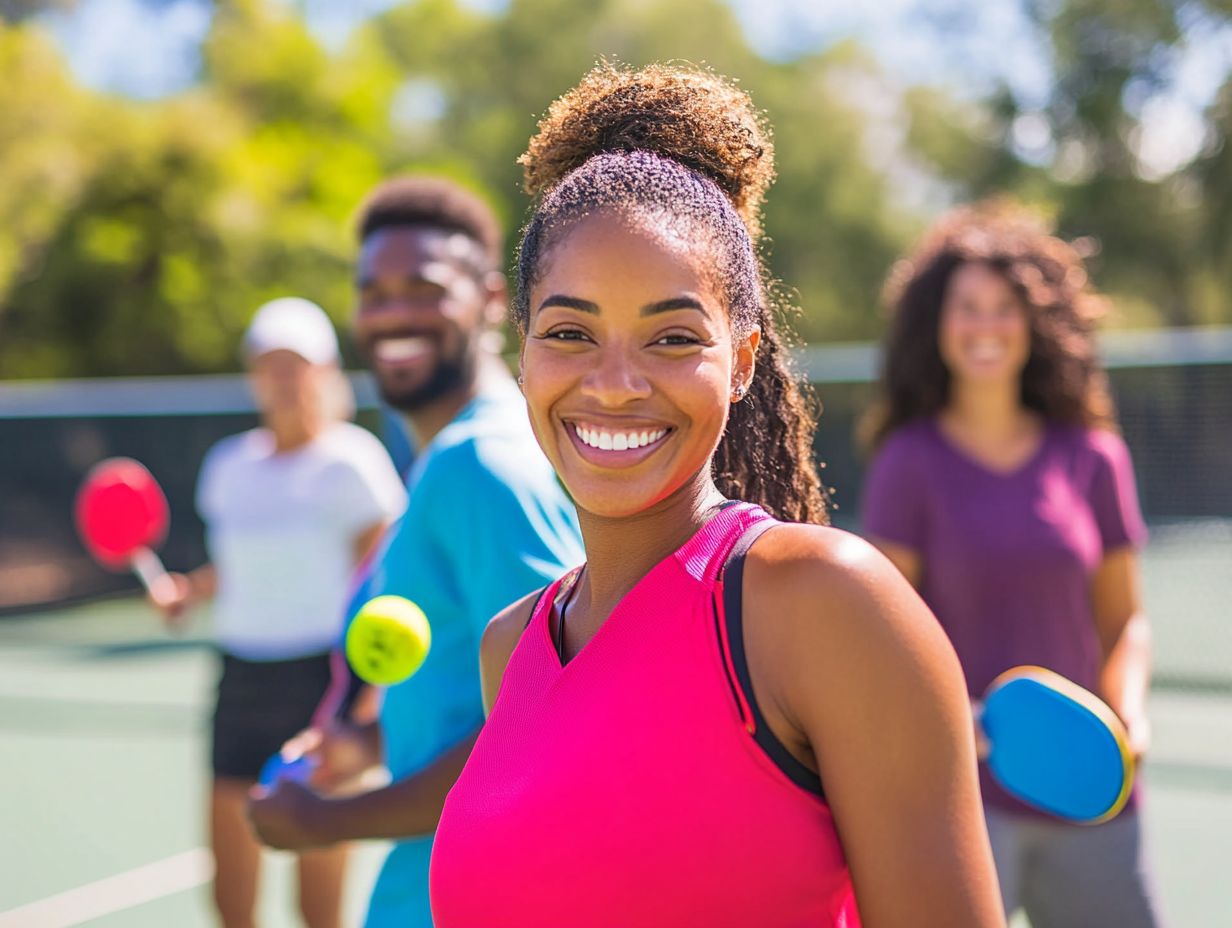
(620, 551)
(992, 427)
(293, 432)
(989, 411)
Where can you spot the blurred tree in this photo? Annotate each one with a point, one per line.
(16, 11)
(169, 223)
(1103, 53)
(1213, 173)
(138, 237)
(1158, 237)
(832, 227)
(47, 158)
(182, 216)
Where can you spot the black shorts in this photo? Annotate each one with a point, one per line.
(260, 705)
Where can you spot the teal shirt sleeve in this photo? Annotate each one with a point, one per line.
(501, 521)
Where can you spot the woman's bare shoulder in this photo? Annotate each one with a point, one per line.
(827, 596)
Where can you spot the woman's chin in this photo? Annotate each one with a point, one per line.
(606, 507)
(1001, 368)
(614, 502)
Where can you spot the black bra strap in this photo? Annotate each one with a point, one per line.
(535, 607)
(733, 610)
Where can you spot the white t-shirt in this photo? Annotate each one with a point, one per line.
(281, 530)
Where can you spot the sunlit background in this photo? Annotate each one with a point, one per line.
(168, 165)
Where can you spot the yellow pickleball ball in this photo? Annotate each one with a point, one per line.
(388, 640)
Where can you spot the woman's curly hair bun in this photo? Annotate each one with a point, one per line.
(684, 113)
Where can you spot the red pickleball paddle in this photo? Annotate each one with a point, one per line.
(121, 516)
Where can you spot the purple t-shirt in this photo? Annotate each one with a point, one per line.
(1008, 557)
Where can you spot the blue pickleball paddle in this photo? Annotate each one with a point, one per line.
(1056, 746)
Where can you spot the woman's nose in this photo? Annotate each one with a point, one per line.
(616, 378)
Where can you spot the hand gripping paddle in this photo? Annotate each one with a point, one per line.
(386, 643)
(277, 768)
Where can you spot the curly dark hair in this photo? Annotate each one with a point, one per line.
(421, 200)
(687, 149)
(1063, 379)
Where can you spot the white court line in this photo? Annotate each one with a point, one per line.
(114, 893)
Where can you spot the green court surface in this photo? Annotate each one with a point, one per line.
(103, 737)
(103, 734)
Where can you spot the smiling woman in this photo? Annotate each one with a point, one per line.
(609, 357)
(721, 718)
(1001, 489)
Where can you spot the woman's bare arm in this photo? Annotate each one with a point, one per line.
(860, 674)
(366, 539)
(1125, 637)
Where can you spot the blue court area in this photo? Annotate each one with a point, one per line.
(103, 721)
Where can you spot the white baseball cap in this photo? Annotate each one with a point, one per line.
(292, 324)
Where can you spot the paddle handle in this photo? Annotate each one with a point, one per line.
(153, 575)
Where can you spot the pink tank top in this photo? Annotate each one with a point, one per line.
(638, 785)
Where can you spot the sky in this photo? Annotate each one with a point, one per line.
(988, 39)
(148, 48)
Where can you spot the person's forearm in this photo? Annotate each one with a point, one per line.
(366, 709)
(409, 807)
(370, 738)
(1126, 676)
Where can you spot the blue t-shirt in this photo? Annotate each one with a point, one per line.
(486, 523)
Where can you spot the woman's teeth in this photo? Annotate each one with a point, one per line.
(987, 351)
(606, 440)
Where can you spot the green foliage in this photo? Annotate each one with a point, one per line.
(155, 230)
(138, 237)
(1164, 243)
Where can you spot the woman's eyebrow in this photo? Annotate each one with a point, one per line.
(570, 302)
(666, 306)
(650, 309)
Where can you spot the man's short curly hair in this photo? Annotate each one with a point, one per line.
(414, 200)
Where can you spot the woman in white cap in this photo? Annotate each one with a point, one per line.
(290, 508)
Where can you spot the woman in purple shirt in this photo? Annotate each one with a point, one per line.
(1003, 492)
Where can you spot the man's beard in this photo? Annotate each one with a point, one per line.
(449, 375)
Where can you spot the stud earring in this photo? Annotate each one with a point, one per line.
(738, 392)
